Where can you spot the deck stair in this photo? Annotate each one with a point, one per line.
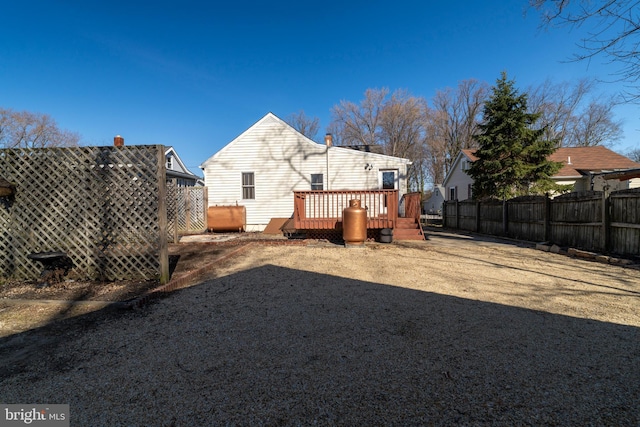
(408, 229)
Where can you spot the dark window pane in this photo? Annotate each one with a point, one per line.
(388, 180)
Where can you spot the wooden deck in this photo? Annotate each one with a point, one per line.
(322, 210)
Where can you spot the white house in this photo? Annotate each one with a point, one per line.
(585, 168)
(262, 167)
(433, 205)
(176, 170)
(457, 184)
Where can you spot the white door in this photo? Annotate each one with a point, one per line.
(388, 179)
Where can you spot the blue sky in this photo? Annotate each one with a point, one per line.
(196, 74)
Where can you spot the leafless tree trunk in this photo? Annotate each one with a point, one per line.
(436, 144)
(458, 113)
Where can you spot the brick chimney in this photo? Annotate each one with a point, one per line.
(328, 140)
(118, 141)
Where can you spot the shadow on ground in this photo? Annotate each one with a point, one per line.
(275, 346)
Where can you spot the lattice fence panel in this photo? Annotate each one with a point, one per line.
(103, 206)
(186, 209)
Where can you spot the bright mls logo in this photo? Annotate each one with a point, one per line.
(35, 415)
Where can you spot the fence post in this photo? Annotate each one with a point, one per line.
(162, 208)
(205, 206)
(478, 216)
(444, 214)
(176, 212)
(457, 215)
(606, 221)
(187, 207)
(547, 219)
(505, 218)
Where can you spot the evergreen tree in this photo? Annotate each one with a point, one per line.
(512, 156)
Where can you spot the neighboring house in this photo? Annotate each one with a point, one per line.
(585, 168)
(457, 184)
(262, 167)
(433, 205)
(176, 170)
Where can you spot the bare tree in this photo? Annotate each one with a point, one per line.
(401, 126)
(402, 130)
(455, 117)
(308, 126)
(634, 155)
(613, 32)
(395, 122)
(571, 115)
(596, 125)
(435, 123)
(355, 124)
(23, 129)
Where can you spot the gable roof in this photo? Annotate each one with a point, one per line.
(267, 118)
(470, 154)
(182, 171)
(578, 161)
(271, 118)
(172, 151)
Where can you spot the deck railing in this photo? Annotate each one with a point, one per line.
(322, 210)
(411, 205)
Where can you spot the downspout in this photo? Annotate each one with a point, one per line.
(328, 141)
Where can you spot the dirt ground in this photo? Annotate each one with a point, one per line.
(454, 330)
(27, 305)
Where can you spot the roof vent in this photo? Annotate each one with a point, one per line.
(568, 160)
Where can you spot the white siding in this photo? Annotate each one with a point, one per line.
(458, 178)
(347, 170)
(283, 161)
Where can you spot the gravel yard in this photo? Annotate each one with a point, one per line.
(456, 330)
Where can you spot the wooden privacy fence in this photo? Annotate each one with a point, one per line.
(186, 210)
(593, 221)
(105, 207)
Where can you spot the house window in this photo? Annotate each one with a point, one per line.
(317, 181)
(169, 162)
(388, 180)
(469, 191)
(453, 194)
(248, 185)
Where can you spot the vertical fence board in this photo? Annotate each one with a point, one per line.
(586, 220)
